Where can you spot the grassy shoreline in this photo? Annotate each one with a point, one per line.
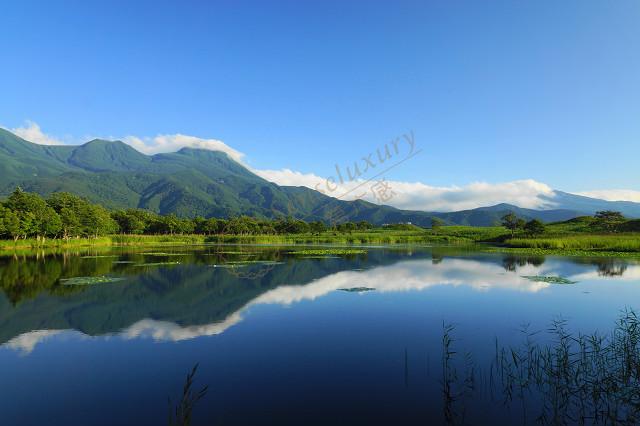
(365, 237)
(556, 241)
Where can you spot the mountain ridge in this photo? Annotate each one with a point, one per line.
(196, 181)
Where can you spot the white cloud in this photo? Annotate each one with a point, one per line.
(173, 143)
(289, 177)
(32, 133)
(613, 194)
(526, 193)
(26, 342)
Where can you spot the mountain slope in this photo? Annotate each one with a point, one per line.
(208, 183)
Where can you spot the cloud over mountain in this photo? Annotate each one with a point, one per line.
(31, 131)
(172, 143)
(526, 193)
(613, 194)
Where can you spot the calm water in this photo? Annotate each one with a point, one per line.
(279, 341)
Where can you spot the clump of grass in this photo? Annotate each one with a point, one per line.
(574, 379)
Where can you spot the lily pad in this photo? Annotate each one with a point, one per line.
(333, 251)
(357, 289)
(89, 280)
(161, 254)
(548, 279)
(158, 264)
(227, 265)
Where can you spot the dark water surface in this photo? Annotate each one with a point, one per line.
(280, 341)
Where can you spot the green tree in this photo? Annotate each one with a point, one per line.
(11, 226)
(317, 227)
(97, 221)
(68, 207)
(534, 227)
(363, 225)
(512, 223)
(347, 227)
(132, 221)
(36, 217)
(185, 226)
(436, 223)
(211, 226)
(608, 220)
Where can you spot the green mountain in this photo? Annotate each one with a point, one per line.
(208, 183)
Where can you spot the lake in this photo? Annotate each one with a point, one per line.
(287, 339)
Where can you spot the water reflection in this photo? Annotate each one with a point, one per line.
(194, 298)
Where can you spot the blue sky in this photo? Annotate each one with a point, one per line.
(494, 91)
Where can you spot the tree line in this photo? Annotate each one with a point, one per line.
(62, 215)
(607, 221)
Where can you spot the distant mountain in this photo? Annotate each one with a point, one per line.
(564, 200)
(208, 183)
(488, 216)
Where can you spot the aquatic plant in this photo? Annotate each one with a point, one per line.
(182, 414)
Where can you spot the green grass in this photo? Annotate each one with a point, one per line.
(27, 244)
(375, 236)
(470, 233)
(573, 237)
(617, 243)
(559, 252)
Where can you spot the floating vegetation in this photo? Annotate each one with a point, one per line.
(118, 262)
(241, 263)
(244, 253)
(158, 264)
(319, 257)
(89, 280)
(356, 289)
(331, 251)
(162, 254)
(97, 257)
(548, 279)
(227, 265)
